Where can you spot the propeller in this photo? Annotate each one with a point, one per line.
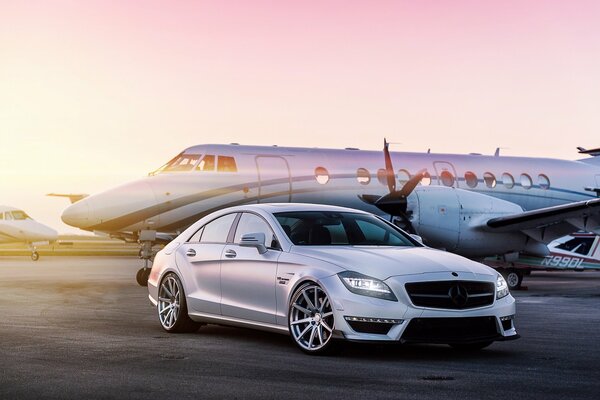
(394, 202)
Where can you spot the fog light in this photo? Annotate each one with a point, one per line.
(507, 322)
(507, 318)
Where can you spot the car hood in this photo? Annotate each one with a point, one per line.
(384, 262)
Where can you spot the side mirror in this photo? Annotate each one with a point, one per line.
(417, 238)
(254, 240)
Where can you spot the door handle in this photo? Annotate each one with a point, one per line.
(190, 253)
(230, 254)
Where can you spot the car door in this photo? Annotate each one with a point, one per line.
(199, 261)
(247, 277)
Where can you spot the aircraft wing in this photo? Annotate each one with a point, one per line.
(547, 224)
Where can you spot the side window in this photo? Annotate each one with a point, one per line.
(196, 236)
(250, 223)
(226, 164)
(578, 245)
(1, 216)
(8, 216)
(207, 163)
(217, 230)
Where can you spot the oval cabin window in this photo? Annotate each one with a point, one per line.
(471, 179)
(508, 180)
(490, 180)
(321, 175)
(363, 176)
(544, 181)
(526, 181)
(426, 179)
(403, 177)
(447, 178)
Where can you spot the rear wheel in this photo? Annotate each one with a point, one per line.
(311, 321)
(172, 306)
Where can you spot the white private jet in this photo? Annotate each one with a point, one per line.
(473, 205)
(18, 227)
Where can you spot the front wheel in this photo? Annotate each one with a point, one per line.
(35, 256)
(514, 278)
(311, 321)
(172, 306)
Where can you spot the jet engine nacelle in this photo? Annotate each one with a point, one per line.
(454, 219)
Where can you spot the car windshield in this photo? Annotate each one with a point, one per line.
(323, 228)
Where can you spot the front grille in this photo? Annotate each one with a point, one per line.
(455, 295)
(450, 330)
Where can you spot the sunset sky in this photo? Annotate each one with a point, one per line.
(96, 93)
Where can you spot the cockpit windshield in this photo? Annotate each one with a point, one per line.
(181, 162)
(14, 215)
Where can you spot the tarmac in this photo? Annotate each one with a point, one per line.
(80, 327)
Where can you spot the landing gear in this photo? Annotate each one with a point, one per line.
(34, 254)
(146, 240)
(514, 278)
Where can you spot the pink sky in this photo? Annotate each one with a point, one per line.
(95, 93)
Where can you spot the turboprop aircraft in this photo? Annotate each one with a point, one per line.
(474, 205)
(18, 227)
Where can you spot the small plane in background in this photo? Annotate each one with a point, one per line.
(18, 227)
(470, 204)
(578, 251)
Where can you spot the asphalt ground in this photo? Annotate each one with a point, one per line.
(80, 327)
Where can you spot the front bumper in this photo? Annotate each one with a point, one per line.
(363, 318)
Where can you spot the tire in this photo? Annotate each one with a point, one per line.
(142, 276)
(467, 347)
(35, 256)
(172, 306)
(514, 278)
(311, 320)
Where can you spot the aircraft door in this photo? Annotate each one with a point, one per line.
(274, 179)
(446, 174)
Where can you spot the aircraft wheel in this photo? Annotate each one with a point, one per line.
(514, 278)
(142, 276)
(35, 256)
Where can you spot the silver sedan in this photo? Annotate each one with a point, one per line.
(323, 273)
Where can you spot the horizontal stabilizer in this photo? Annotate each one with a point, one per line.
(592, 152)
(73, 197)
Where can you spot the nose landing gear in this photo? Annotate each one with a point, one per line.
(34, 254)
(146, 240)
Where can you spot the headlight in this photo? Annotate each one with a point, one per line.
(501, 287)
(366, 285)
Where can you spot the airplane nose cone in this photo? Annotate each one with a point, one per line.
(77, 214)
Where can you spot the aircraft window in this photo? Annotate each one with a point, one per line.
(447, 178)
(490, 180)
(543, 181)
(217, 230)
(403, 177)
(207, 163)
(579, 245)
(363, 176)
(250, 223)
(471, 179)
(7, 216)
(508, 180)
(19, 215)
(321, 175)
(426, 179)
(1, 216)
(382, 176)
(183, 162)
(226, 164)
(526, 181)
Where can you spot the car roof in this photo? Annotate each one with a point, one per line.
(287, 207)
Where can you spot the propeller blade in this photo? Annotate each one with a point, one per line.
(369, 198)
(412, 183)
(389, 168)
